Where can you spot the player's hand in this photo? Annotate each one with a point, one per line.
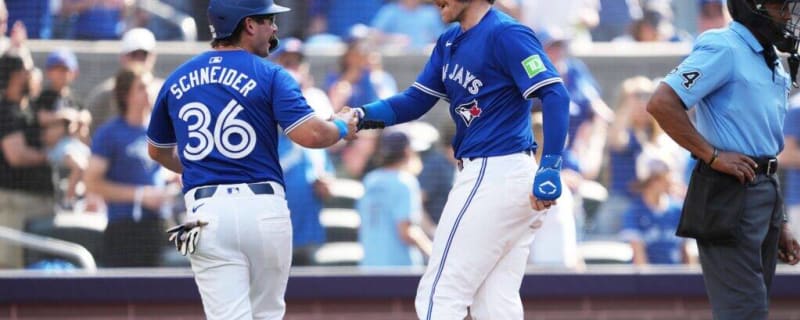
(18, 34)
(547, 183)
(788, 248)
(186, 236)
(737, 165)
(349, 116)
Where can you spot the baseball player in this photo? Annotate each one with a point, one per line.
(487, 68)
(216, 121)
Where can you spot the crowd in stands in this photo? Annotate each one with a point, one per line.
(61, 153)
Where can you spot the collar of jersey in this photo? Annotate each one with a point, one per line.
(747, 36)
(461, 34)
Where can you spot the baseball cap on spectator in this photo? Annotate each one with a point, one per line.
(357, 32)
(421, 135)
(288, 45)
(650, 163)
(138, 39)
(392, 146)
(551, 35)
(62, 58)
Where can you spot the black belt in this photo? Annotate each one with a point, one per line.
(766, 165)
(256, 188)
(460, 161)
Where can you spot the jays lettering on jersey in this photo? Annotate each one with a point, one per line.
(487, 78)
(221, 108)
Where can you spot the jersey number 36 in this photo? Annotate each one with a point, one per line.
(226, 126)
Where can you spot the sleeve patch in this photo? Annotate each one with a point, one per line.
(533, 65)
(690, 78)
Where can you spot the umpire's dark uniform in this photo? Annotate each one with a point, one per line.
(740, 91)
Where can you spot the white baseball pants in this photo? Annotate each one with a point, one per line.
(482, 242)
(242, 261)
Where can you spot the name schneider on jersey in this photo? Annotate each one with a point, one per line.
(230, 77)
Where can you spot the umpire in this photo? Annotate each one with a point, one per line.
(733, 207)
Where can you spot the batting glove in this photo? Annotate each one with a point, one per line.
(367, 124)
(547, 183)
(186, 235)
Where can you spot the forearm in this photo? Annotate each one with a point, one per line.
(639, 252)
(420, 240)
(171, 162)
(668, 110)
(29, 157)
(318, 133)
(112, 191)
(618, 136)
(555, 113)
(404, 107)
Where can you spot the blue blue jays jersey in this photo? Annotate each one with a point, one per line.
(487, 78)
(222, 110)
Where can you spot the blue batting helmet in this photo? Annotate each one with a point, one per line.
(225, 15)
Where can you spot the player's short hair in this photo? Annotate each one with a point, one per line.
(123, 83)
(236, 36)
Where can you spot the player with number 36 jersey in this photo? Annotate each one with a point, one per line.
(214, 132)
(216, 121)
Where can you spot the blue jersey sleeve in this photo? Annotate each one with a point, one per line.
(288, 103)
(430, 80)
(707, 68)
(160, 131)
(520, 55)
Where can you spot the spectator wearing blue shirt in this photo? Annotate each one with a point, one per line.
(615, 16)
(650, 222)
(35, 14)
(711, 15)
(96, 19)
(391, 208)
(360, 79)
(407, 24)
(589, 115)
(336, 17)
(789, 161)
(305, 175)
(631, 130)
(132, 184)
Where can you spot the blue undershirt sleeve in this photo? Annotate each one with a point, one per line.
(555, 113)
(404, 107)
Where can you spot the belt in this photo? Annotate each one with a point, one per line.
(256, 188)
(460, 161)
(766, 165)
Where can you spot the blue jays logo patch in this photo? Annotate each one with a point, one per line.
(469, 111)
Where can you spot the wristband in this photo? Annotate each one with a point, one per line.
(342, 126)
(713, 157)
